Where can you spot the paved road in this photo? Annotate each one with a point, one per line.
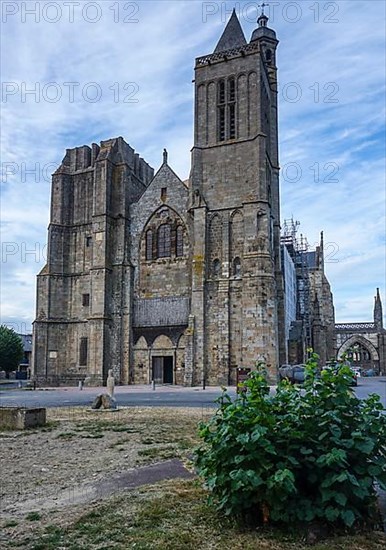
(171, 396)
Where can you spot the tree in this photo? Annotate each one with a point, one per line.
(11, 349)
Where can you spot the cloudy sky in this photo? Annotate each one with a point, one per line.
(77, 72)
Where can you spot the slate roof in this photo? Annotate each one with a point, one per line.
(27, 341)
(232, 37)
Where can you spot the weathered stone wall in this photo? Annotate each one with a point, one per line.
(84, 290)
(161, 285)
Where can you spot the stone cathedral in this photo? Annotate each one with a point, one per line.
(162, 279)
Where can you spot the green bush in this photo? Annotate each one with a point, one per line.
(299, 455)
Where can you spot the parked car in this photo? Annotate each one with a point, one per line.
(354, 377)
(294, 373)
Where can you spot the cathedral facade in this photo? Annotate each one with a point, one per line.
(168, 280)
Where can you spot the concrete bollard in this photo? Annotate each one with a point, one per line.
(80, 385)
(153, 385)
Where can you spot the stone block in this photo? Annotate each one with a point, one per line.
(20, 418)
(104, 401)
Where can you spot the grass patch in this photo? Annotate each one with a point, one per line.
(157, 453)
(174, 515)
(10, 523)
(120, 442)
(33, 516)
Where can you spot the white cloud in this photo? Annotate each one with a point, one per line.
(157, 53)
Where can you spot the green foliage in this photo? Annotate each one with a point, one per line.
(11, 349)
(33, 516)
(299, 455)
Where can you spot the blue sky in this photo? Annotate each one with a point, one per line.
(104, 69)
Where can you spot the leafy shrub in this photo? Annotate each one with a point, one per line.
(11, 349)
(300, 455)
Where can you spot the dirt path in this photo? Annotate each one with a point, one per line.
(90, 492)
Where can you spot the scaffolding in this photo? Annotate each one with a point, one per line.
(298, 249)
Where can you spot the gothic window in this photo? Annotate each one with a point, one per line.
(226, 109)
(232, 122)
(221, 110)
(231, 90)
(88, 241)
(216, 267)
(149, 245)
(231, 109)
(163, 241)
(237, 268)
(179, 241)
(221, 92)
(268, 56)
(83, 352)
(358, 353)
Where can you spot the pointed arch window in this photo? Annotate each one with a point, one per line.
(237, 267)
(358, 353)
(149, 244)
(163, 241)
(221, 105)
(179, 241)
(226, 109)
(231, 108)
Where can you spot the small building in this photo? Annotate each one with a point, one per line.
(25, 363)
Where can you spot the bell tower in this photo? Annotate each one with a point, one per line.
(237, 285)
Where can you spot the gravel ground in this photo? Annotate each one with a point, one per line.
(54, 471)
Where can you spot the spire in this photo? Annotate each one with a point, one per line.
(321, 251)
(233, 36)
(263, 31)
(263, 19)
(378, 315)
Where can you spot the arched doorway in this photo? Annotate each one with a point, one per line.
(360, 352)
(162, 360)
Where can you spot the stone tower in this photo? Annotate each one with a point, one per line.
(83, 312)
(234, 199)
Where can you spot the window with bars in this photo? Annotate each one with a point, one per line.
(179, 241)
(83, 352)
(149, 245)
(226, 109)
(163, 241)
(232, 121)
(221, 104)
(231, 108)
